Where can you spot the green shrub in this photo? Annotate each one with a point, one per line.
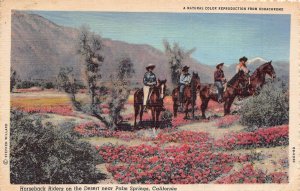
(44, 154)
(269, 108)
(48, 85)
(166, 118)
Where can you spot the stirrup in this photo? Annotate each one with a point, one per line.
(145, 109)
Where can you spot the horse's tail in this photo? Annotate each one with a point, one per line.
(175, 101)
(137, 104)
(137, 96)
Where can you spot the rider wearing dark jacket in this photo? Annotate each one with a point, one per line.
(149, 81)
(219, 80)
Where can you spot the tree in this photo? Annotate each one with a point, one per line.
(120, 89)
(67, 82)
(13, 79)
(90, 49)
(176, 55)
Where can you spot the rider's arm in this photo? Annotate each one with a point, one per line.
(151, 80)
(189, 79)
(181, 80)
(237, 69)
(246, 70)
(146, 80)
(218, 76)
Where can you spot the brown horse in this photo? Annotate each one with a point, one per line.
(189, 95)
(232, 90)
(155, 102)
(258, 78)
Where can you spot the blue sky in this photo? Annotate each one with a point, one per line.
(216, 37)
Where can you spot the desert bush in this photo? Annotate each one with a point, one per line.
(166, 118)
(27, 84)
(269, 108)
(44, 154)
(48, 85)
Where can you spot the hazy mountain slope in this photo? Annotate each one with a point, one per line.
(40, 47)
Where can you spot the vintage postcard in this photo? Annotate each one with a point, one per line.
(149, 95)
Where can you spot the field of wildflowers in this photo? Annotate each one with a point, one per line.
(173, 155)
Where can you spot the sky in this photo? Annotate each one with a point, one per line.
(216, 37)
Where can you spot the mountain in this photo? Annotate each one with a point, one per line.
(40, 47)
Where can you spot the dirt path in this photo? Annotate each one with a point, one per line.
(269, 160)
(211, 128)
(109, 178)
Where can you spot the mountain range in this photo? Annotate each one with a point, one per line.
(40, 48)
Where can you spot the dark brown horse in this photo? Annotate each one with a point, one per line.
(155, 103)
(258, 78)
(189, 95)
(207, 93)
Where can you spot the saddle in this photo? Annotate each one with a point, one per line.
(214, 90)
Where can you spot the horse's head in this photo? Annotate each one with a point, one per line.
(269, 69)
(162, 87)
(196, 80)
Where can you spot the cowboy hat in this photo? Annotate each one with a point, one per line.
(243, 59)
(221, 64)
(185, 68)
(150, 66)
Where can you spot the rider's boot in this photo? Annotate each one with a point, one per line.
(181, 107)
(220, 99)
(145, 108)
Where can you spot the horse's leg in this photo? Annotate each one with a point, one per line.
(204, 107)
(175, 104)
(231, 99)
(136, 112)
(141, 112)
(186, 109)
(157, 117)
(153, 116)
(175, 108)
(227, 104)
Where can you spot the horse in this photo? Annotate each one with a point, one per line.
(189, 95)
(155, 104)
(258, 78)
(233, 89)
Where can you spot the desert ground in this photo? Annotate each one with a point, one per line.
(214, 150)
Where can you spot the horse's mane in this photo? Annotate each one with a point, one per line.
(258, 69)
(233, 79)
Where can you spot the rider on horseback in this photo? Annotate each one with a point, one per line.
(149, 81)
(220, 80)
(243, 67)
(185, 79)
